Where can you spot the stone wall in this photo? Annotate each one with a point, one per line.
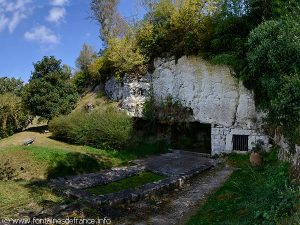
(221, 138)
(211, 91)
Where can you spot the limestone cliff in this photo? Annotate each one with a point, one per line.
(211, 91)
(215, 96)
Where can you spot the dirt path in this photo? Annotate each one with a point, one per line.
(181, 205)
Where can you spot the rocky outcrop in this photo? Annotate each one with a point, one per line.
(132, 93)
(212, 92)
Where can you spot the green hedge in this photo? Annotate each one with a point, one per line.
(109, 129)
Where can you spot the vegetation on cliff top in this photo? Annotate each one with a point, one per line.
(258, 39)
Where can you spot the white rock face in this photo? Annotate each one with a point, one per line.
(132, 93)
(211, 91)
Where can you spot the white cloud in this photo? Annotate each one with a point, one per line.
(42, 35)
(3, 22)
(13, 12)
(59, 2)
(15, 20)
(56, 15)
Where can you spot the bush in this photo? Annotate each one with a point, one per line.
(99, 69)
(228, 42)
(274, 72)
(81, 79)
(108, 129)
(170, 28)
(167, 110)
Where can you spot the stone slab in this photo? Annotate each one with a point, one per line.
(177, 166)
(177, 163)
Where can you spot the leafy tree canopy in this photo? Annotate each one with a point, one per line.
(13, 116)
(86, 57)
(49, 92)
(111, 22)
(274, 71)
(10, 85)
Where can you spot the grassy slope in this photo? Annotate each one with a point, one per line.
(98, 99)
(250, 196)
(48, 158)
(37, 159)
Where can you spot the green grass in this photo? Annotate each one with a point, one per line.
(126, 183)
(250, 196)
(16, 196)
(48, 158)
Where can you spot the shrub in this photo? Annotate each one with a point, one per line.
(107, 129)
(122, 56)
(99, 69)
(170, 28)
(81, 79)
(274, 72)
(228, 42)
(167, 110)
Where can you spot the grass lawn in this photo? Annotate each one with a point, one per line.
(126, 183)
(48, 158)
(251, 195)
(25, 196)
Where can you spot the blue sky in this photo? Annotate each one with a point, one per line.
(31, 29)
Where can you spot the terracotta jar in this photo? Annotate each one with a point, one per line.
(256, 159)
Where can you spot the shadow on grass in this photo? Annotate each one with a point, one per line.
(38, 129)
(75, 163)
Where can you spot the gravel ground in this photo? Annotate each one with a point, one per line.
(178, 207)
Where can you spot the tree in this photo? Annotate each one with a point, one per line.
(13, 116)
(125, 57)
(274, 71)
(111, 22)
(176, 28)
(11, 85)
(86, 57)
(50, 92)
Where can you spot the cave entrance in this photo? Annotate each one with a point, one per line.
(193, 136)
(189, 136)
